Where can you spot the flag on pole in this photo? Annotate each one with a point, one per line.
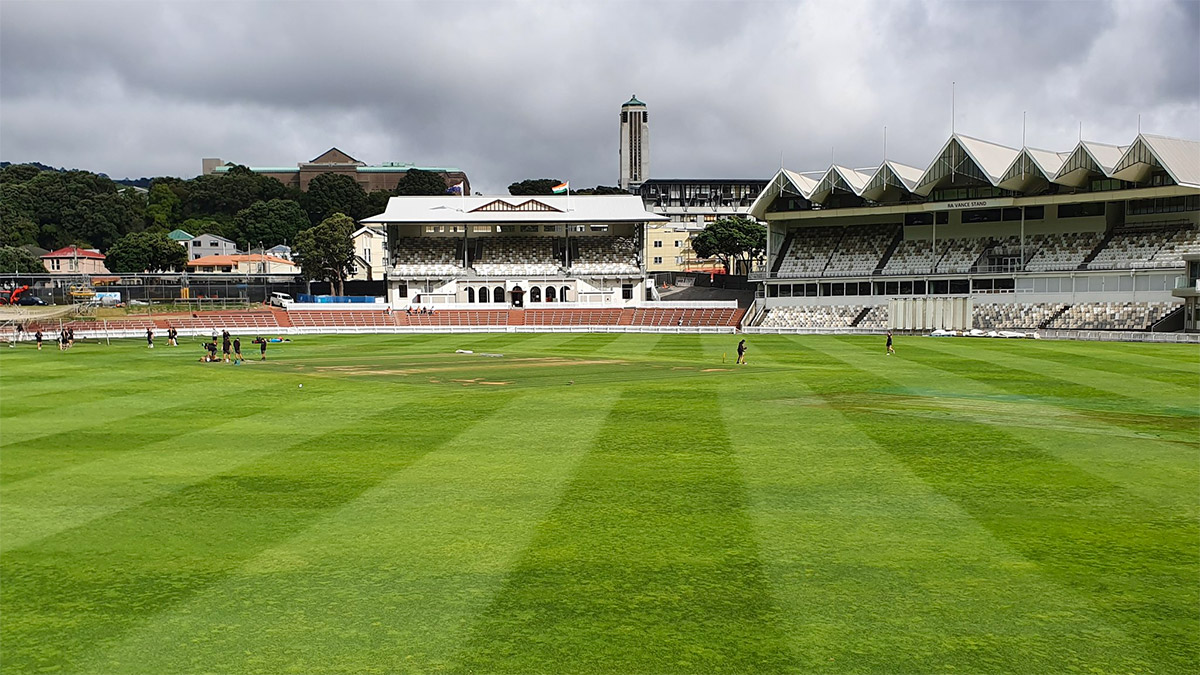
(456, 189)
(562, 188)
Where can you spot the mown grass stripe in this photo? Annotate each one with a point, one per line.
(1082, 531)
(81, 590)
(648, 559)
(877, 572)
(390, 581)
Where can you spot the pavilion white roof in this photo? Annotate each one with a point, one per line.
(510, 209)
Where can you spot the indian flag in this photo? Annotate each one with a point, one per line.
(561, 188)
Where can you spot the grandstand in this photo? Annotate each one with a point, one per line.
(1092, 238)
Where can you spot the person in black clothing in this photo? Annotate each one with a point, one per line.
(172, 334)
(225, 347)
(70, 337)
(237, 350)
(38, 336)
(742, 352)
(890, 350)
(150, 338)
(262, 348)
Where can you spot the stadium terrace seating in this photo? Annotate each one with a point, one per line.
(860, 250)
(1128, 250)
(572, 317)
(454, 317)
(810, 251)
(605, 255)
(340, 318)
(961, 254)
(232, 321)
(517, 256)
(685, 317)
(876, 317)
(913, 256)
(1062, 251)
(1005, 316)
(812, 316)
(1178, 243)
(427, 256)
(1113, 315)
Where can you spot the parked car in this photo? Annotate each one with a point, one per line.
(281, 299)
(31, 301)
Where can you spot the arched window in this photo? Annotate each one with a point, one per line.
(483, 294)
(498, 294)
(549, 294)
(535, 294)
(562, 296)
(470, 294)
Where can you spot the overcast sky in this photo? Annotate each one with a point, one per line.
(514, 90)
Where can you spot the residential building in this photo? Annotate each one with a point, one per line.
(242, 263)
(384, 176)
(180, 236)
(75, 260)
(370, 253)
(691, 204)
(210, 244)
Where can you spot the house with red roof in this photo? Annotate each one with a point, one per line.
(75, 260)
(242, 263)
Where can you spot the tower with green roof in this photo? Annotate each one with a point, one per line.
(635, 144)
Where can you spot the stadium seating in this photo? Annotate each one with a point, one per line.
(1113, 315)
(605, 255)
(1060, 251)
(876, 317)
(685, 317)
(810, 251)
(1017, 315)
(812, 316)
(517, 256)
(860, 250)
(340, 318)
(427, 256)
(572, 317)
(913, 256)
(232, 321)
(960, 255)
(454, 317)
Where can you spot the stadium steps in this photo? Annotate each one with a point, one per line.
(626, 318)
(887, 255)
(1087, 259)
(281, 317)
(833, 251)
(516, 317)
(1053, 316)
(783, 251)
(862, 314)
(1171, 323)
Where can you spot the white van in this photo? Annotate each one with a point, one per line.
(281, 299)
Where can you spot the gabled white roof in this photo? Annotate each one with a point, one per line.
(853, 180)
(1029, 165)
(510, 209)
(1088, 158)
(879, 181)
(1178, 157)
(992, 160)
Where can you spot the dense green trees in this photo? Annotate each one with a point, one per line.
(731, 240)
(418, 182)
(269, 223)
(14, 259)
(145, 252)
(534, 186)
(325, 252)
(331, 193)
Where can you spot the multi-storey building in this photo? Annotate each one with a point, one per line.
(370, 177)
(635, 144)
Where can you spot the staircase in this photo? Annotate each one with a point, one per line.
(516, 317)
(783, 251)
(1087, 259)
(626, 318)
(1053, 317)
(861, 315)
(887, 255)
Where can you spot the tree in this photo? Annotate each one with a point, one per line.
(14, 259)
(730, 240)
(601, 190)
(331, 193)
(163, 207)
(145, 252)
(534, 186)
(418, 182)
(325, 251)
(271, 223)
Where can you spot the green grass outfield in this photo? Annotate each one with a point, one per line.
(602, 503)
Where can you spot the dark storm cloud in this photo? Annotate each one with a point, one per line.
(514, 90)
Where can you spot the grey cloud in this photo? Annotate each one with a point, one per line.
(511, 90)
